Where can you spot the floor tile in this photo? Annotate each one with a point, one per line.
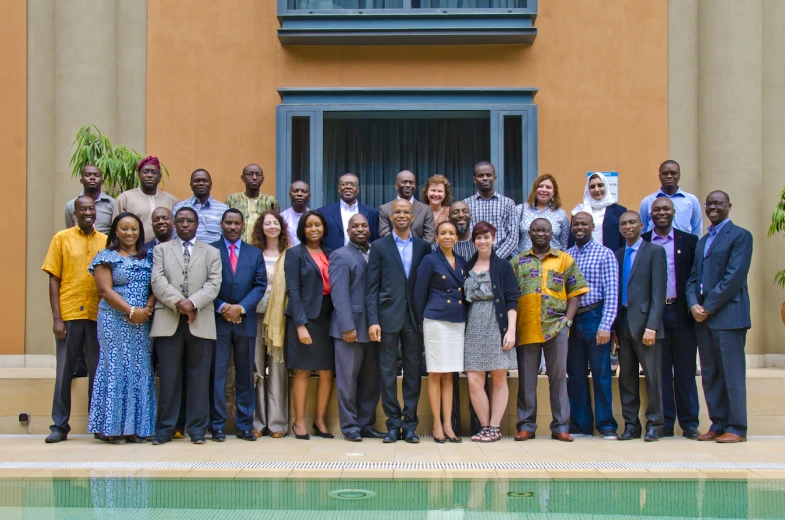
(418, 474)
(628, 474)
(270, 473)
(576, 474)
(49, 474)
(315, 474)
(366, 474)
(200, 473)
(524, 474)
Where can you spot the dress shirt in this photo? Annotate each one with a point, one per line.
(601, 270)
(560, 224)
(633, 254)
(292, 219)
(712, 234)
(365, 251)
(190, 247)
(251, 208)
(688, 216)
(104, 209)
(209, 213)
(669, 243)
(463, 248)
(405, 250)
(499, 211)
(346, 213)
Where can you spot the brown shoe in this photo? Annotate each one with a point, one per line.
(256, 433)
(708, 436)
(729, 438)
(278, 435)
(562, 436)
(523, 435)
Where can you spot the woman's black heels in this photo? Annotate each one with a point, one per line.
(319, 433)
(304, 437)
(456, 440)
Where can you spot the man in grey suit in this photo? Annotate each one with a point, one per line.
(356, 359)
(422, 225)
(186, 279)
(643, 281)
(720, 303)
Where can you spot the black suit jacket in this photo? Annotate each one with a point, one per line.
(336, 234)
(684, 251)
(245, 287)
(645, 290)
(438, 293)
(611, 236)
(389, 291)
(304, 284)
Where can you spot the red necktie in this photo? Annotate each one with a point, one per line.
(233, 257)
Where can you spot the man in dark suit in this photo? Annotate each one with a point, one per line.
(422, 222)
(392, 273)
(643, 277)
(163, 227)
(244, 279)
(356, 359)
(679, 347)
(720, 303)
(337, 215)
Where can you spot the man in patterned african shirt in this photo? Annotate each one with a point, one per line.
(551, 283)
(252, 202)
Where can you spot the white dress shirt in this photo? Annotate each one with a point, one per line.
(346, 213)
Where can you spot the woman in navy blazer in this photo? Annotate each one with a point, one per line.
(599, 202)
(439, 307)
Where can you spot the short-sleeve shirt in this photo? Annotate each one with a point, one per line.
(104, 210)
(69, 256)
(546, 285)
(251, 208)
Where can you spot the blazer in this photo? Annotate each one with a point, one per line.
(645, 290)
(389, 292)
(204, 282)
(348, 278)
(611, 236)
(422, 225)
(336, 234)
(438, 291)
(723, 271)
(684, 251)
(304, 285)
(505, 289)
(245, 287)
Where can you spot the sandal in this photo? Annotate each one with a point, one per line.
(482, 434)
(494, 434)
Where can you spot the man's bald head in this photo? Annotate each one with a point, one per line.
(405, 183)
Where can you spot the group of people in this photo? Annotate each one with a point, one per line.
(235, 295)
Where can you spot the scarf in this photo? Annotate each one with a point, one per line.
(589, 202)
(274, 325)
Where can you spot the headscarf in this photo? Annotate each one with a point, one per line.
(589, 202)
(148, 160)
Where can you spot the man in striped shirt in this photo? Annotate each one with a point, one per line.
(491, 206)
(461, 218)
(590, 336)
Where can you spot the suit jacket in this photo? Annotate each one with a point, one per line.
(438, 291)
(611, 236)
(723, 271)
(304, 284)
(204, 281)
(389, 291)
(348, 278)
(336, 234)
(684, 251)
(645, 290)
(422, 225)
(244, 287)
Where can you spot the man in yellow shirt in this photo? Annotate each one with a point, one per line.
(550, 283)
(251, 202)
(74, 301)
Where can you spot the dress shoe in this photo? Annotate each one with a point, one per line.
(117, 440)
(246, 435)
(198, 439)
(160, 439)
(319, 433)
(691, 433)
(178, 435)
(136, 439)
(730, 438)
(411, 437)
(219, 436)
(666, 433)
(257, 433)
(278, 435)
(652, 435)
(439, 440)
(523, 435)
(609, 435)
(454, 440)
(562, 436)
(370, 433)
(629, 434)
(56, 436)
(708, 436)
(393, 435)
(352, 436)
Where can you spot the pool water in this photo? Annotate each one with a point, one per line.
(141, 499)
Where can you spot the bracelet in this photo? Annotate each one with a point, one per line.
(131, 314)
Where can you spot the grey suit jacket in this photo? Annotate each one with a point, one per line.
(204, 282)
(422, 225)
(348, 270)
(646, 289)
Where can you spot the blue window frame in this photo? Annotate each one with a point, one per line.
(406, 22)
(376, 132)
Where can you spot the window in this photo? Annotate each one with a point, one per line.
(376, 133)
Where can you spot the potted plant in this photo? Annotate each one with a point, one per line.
(778, 226)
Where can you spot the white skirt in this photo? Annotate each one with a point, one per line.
(443, 345)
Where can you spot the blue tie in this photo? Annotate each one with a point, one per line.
(625, 275)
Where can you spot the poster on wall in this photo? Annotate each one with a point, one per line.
(613, 181)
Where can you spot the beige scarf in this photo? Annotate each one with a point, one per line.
(274, 325)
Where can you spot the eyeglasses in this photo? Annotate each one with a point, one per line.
(348, 185)
(720, 204)
(185, 221)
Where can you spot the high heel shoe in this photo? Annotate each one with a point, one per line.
(455, 440)
(438, 440)
(304, 437)
(319, 433)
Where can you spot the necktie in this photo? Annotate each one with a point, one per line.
(186, 263)
(233, 257)
(625, 274)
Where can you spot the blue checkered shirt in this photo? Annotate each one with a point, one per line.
(601, 270)
(499, 211)
(209, 214)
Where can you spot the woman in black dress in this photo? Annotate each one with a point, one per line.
(309, 346)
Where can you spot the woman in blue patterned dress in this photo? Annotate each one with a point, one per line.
(123, 401)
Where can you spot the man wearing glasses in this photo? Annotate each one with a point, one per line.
(688, 209)
(338, 214)
(422, 225)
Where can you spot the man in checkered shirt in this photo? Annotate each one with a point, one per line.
(491, 206)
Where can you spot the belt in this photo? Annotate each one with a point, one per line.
(671, 301)
(591, 307)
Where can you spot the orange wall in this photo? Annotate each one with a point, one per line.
(13, 150)
(601, 67)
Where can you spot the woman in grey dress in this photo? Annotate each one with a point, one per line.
(491, 289)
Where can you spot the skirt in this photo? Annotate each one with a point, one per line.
(320, 354)
(443, 345)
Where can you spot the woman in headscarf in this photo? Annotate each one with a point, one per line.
(600, 203)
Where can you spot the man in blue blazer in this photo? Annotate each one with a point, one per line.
(720, 303)
(244, 279)
(338, 214)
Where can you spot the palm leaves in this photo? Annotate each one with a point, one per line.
(778, 226)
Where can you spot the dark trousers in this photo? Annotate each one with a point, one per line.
(583, 349)
(359, 386)
(197, 354)
(245, 400)
(723, 367)
(679, 390)
(632, 353)
(411, 354)
(81, 336)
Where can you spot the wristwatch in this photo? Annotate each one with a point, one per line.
(569, 323)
